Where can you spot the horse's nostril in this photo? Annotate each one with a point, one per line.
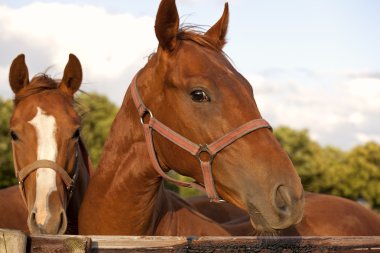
(282, 199)
(62, 223)
(61, 219)
(34, 228)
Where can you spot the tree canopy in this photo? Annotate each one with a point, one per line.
(7, 176)
(354, 174)
(97, 113)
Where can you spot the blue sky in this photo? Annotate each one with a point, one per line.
(312, 64)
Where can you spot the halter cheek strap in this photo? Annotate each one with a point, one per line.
(196, 150)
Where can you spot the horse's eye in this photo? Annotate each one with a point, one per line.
(76, 134)
(200, 96)
(14, 136)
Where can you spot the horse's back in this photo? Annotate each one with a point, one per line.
(13, 213)
(328, 215)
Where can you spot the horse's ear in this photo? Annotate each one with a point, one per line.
(217, 32)
(18, 74)
(167, 24)
(72, 76)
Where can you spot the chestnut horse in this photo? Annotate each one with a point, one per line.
(324, 215)
(190, 86)
(51, 162)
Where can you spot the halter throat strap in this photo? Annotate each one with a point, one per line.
(208, 151)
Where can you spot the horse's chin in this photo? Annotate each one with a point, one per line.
(260, 230)
(262, 227)
(267, 223)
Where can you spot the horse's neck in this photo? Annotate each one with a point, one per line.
(79, 191)
(125, 190)
(126, 195)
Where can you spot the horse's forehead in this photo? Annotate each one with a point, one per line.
(42, 118)
(195, 58)
(196, 53)
(52, 106)
(26, 111)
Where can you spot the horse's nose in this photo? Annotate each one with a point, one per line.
(54, 224)
(288, 204)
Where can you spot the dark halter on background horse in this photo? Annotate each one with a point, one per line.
(210, 150)
(66, 178)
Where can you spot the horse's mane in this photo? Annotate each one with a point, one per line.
(39, 83)
(195, 34)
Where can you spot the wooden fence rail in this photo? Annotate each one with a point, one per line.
(15, 241)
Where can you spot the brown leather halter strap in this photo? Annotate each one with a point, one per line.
(27, 170)
(195, 149)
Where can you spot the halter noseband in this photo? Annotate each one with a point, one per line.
(195, 149)
(27, 170)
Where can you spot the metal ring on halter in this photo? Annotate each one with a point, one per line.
(202, 149)
(143, 115)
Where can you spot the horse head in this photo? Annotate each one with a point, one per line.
(191, 87)
(45, 132)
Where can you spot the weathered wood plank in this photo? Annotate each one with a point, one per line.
(136, 241)
(113, 244)
(285, 244)
(59, 244)
(108, 244)
(12, 241)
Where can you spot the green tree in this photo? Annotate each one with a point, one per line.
(7, 176)
(97, 113)
(362, 179)
(334, 168)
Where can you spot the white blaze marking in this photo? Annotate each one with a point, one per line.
(45, 126)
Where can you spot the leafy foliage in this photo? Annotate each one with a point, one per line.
(361, 178)
(7, 176)
(305, 154)
(354, 174)
(97, 113)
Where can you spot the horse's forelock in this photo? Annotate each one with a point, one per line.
(39, 83)
(195, 34)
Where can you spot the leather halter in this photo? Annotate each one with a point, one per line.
(195, 149)
(27, 170)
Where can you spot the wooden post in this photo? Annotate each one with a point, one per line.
(12, 241)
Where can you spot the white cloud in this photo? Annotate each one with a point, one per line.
(363, 137)
(366, 92)
(4, 80)
(111, 47)
(338, 110)
(356, 118)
